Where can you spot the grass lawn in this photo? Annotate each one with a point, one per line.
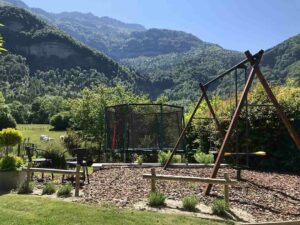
(23, 210)
(34, 131)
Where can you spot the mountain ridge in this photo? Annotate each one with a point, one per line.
(175, 61)
(47, 48)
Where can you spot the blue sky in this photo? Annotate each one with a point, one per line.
(233, 24)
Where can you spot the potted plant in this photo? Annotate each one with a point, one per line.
(11, 174)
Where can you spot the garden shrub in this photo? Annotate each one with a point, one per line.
(204, 158)
(156, 199)
(26, 188)
(139, 159)
(9, 137)
(11, 163)
(190, 202)
(163, 157)
(49, 189)
(72, 140)
(64, 191)
(218, 207)
(55, 153)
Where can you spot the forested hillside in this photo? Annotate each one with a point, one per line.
(283, 61)
(120, 40)
(180, 73)
(45, 47)
(174, 62)
(115, 38)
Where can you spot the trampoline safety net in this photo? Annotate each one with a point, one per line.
(143, 127)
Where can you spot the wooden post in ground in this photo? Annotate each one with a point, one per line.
(234, 120)
(77, 184)
(29, 172)
(19, 150)
(226, 191)
(153, 175)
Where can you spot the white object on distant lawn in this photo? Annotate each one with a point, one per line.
(46, 138)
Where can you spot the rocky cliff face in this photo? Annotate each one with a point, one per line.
(45, 47)
(49, 49)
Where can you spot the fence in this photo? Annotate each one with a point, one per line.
(226, 181)
(76, 172)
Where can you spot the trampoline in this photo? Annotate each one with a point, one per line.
(142, 128)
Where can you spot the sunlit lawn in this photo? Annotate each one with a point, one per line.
(18, 209)
(34, 131)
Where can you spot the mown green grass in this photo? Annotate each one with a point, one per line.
(25, 210)
(34, 131)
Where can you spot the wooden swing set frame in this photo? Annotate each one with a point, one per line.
(254, 61)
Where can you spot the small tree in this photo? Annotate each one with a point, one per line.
(60, 121)
(9, 137)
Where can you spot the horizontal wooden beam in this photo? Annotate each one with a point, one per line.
(190, 179)
(58, 171)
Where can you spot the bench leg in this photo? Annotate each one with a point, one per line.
(87, 174)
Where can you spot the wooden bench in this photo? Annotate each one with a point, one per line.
(75, 172)
(226, 181)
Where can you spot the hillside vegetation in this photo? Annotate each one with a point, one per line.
(45, 47)
(170, 63)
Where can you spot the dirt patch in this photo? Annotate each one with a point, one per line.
(266, 196)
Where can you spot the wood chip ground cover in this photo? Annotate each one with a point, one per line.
(267, 196)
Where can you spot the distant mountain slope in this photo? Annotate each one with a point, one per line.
(174, 61)
(120, 40)
(179, 74)
(45, 47)
(115, 38)
(283, 61)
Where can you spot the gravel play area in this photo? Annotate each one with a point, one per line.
(267, 196)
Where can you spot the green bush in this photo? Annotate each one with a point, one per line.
(6, 120)
(60, 121)
(139, 159)
(11, 163)
(26, 188)
(218, 207)
(204, 158)
(176, 159)
(55, 153)
(9, 137)
(64, 191)
(163, 157)
(72, 140)
(156, 199)
(190, 202)
(49, 189)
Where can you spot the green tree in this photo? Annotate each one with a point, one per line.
(9, 137)
(61, 120)
(19, 111)
(6, 119)
(88, 111)
(43, 108)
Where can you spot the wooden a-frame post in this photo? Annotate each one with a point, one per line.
(203, 88)
(254, 70)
